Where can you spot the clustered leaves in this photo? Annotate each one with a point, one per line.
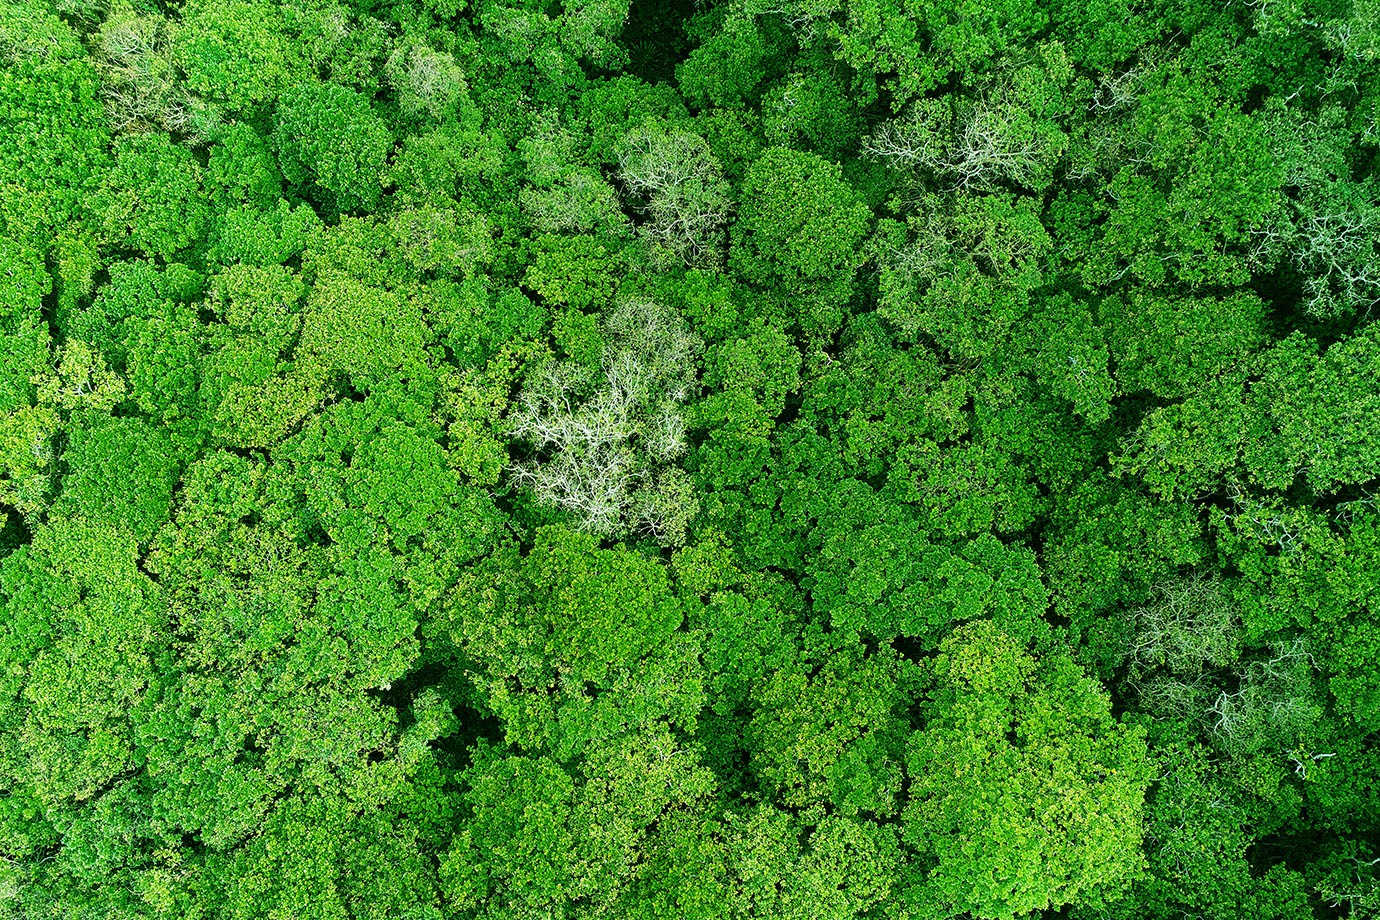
(730, 460)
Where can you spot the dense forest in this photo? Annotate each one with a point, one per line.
(687, 459)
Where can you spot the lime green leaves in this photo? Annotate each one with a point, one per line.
(1025, 794)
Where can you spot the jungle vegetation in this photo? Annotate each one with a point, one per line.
(669, 460)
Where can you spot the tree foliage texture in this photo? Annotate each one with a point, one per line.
(716, 460)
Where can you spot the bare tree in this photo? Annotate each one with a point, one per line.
(590, 471)
(998, 141)
(1330, 228)
(1190, 625)
(1118, 92)
(686, 195)
(917, 139)
(562, 195)
(427, 81)
(1337, 235)
(1275, 701)
(604, 441)
(655, 335)
(978, 145)
(139, 79)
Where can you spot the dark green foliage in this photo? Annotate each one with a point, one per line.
(741, 460)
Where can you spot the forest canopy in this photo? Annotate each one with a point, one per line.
(689, 460)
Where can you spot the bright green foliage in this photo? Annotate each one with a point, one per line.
(735, 460)
(553, 38)
(830, 736)
(801, 225)
(53, 138)
(235, 52)
(356, 322)
(1306, 414)
(329, 140)
(1168, 346)
(812, 109)
(1025, 793)
(848, 871)
(515, 857)
(315, 857)
(124, 472)
(93, 671)
(1330, 449)
(257, 396)
(599, 627)
(745, 639)
(1189, 211)
(348, 43)
(272, 237)
(884, 575)
(66, 386)
(151, 199)
(269, 694)
(967, 275)
(24, 427)
(359, 329)
(1072, 358)
(726, 67)
(748, 378)
(587, 590)
(842, 869)
(572, 270)
(141, 324)
(921, 45)
(1354, 681)
(1196, 841)
(442, 241)
(242, 170)
(633, 785)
